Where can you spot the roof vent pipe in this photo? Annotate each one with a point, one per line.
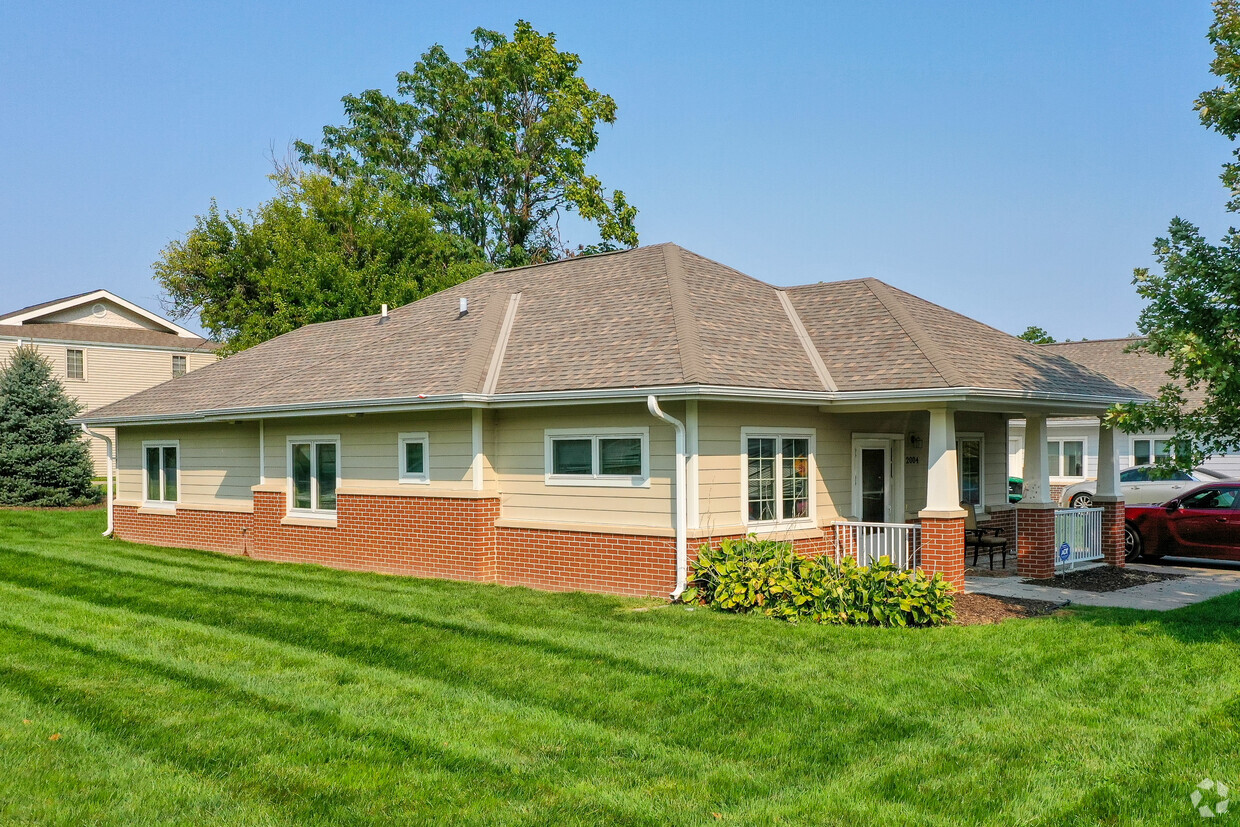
(383, 311)
(464, 305)
(682, 496)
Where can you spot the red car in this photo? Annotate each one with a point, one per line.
(1202, 522)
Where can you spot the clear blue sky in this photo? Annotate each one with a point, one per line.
(1012, 160)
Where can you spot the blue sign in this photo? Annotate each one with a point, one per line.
(1065, 551)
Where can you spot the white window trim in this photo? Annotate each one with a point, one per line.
(1132, 446)
(596, 479)
(1054, 472)
(403, 476)
(779, 523)
(184, 359)
(84, 375)
(312, 512)
(894, 443)
(146, 493)
(980, 438)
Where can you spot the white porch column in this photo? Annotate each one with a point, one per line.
(942, 471)
(1108, 463)
(1037, 486)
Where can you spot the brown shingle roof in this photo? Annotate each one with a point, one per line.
(102, 334)
(1111, 357)
(650, 317)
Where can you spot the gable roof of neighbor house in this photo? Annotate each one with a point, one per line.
(38, 322)
(1144, 371)
(44, 315)
(656, 317)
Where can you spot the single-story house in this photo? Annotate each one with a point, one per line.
(588, 423)
(103, 348)
(1073, 441)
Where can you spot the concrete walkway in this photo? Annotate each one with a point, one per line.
(1201, 582)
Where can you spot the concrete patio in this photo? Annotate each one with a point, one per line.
(1201, 581)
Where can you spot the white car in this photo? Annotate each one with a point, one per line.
(1141, 484)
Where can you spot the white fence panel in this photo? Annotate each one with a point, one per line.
(869, 541)
(1080, 529)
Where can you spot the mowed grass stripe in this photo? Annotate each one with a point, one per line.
(575, 708)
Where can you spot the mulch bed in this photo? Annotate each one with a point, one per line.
(1105, 579)
(977, 609)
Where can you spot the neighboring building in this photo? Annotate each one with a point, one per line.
(1074, 441)
(104, 348)
(584, 424)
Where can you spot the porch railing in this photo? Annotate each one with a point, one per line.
(869, 541)
(1081, 530)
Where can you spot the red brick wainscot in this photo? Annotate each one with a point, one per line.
(226, 531)
(441, 536)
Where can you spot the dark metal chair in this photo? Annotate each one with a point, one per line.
(988, 541)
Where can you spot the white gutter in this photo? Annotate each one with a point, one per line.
(682, 499)
(107, 441)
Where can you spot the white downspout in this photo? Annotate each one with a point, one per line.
(108, 442)
(682, 500)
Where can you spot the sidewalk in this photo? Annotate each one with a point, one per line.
(1198, 584)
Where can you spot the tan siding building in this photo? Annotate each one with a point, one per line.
(103, 349)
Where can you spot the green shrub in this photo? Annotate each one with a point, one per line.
(767, 575)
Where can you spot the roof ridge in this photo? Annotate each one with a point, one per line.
(925, 343)
(474, 371)
(688, 342)
(501, 343)
(807, 343)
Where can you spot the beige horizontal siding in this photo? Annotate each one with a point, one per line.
(113, 316)
(112, 373)
(219, 462)
(369, 446)
(520, 467)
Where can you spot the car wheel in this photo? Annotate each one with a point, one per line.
(1134, 546)
(1081, 500)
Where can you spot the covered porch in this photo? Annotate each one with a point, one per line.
(910, 491)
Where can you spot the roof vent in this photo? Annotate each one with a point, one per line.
(464, 305)
(383, 311)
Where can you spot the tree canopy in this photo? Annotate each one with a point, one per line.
(43, 460)
(1192, 311)
(1037, 335)
(319, 251)
(495, 146)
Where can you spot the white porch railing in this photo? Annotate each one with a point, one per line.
(869, 541)
(1081, 530)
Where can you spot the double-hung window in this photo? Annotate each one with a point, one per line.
(1148, 450)
(75, 363)
(969, 454)
(1066, 457)
(314, 464)
(599, 456)
(414, 451)
(161, 462)
(779, 481)
(178, 366)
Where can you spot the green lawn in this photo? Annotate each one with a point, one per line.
(195, 688)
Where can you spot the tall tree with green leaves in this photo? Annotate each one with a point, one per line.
(1037, 335)
(319, 251)
(43, 459)
(494, 145)
(1192, 311)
